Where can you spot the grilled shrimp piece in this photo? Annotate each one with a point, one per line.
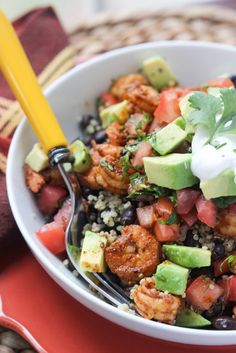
(110, 176)
(226, 225)
(143, 98)
(135, 254)
(89, 178)
(106, 149)
(115, 134)
(121, 86)
(153, 304)
(34, 181)
(135, 89)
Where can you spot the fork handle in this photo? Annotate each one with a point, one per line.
(23, 82)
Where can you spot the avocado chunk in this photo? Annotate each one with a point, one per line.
(187, 256)
(168, 138)
(188, 318)
(158, 72)
(185, 110)
(115, 112)
(92, 252)
(82, 157)
(37, 158)
(222, 185)
(171, 278)
(172, 171)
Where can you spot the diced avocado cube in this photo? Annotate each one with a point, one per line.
(158, 72)
(186, 109)
(115, 112)
(82, 157)
(168, 138)
(187, 256)
(92, 252)
(172, 171)
(180, 122)
(222, 185)
(188, 318)
(171, 278)
(37, 158)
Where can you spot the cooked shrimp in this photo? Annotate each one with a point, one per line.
(89, 178)
(153, 304)
(135, 89)
(120, 86)
(143, 98)
(115, 134)
(34, 181)
(110, 176)
(135, 254)
(226, 225)
(106, 149)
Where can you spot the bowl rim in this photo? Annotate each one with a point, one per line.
(58, 275)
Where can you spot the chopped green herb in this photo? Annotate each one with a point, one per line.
(219, 145)
(232, 263)
(172, 219)
(98, 101)
(139, 186)
(74, 251)
(223, 202)
(107, 165)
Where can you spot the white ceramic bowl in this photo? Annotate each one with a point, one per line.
(74, 94)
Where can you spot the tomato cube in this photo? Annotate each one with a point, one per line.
(202, 293)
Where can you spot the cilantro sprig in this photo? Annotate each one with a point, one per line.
(217, 114)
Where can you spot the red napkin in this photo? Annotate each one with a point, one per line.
(43, 38)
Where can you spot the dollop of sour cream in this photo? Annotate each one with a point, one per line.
(210, 160)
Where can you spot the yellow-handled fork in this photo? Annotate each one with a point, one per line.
(22, 80)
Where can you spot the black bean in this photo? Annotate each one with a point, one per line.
(100, 136)
(82, 220)
(146, 198)
(224, 323)
(215, 310)
(87, 191)
(218, 251)
(183, 147)
(189, 240)
(233, 79)
(85, 121)
(206, 271)
(128, 216)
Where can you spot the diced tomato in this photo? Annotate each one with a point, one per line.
(4, 144)
(50, 197)
(108, 98)
(206, 211)
(229, 286)
(164, 207)
(202, 293)
(168, 108)
(63, 215)
(136, 124)
(221, 267)
(146, 216)
(190, 218)
(166, 232)
(232, 209)
(144, 150)
(52, 236)
(186, 199)
(220, 82)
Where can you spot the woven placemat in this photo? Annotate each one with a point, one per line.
(113, 30)
(107, 31)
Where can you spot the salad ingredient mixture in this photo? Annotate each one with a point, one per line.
(157, 172)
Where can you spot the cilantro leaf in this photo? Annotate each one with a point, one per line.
(223, 202)
(172, 219)
(107, 165)
(139, 187)
(206, 108)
